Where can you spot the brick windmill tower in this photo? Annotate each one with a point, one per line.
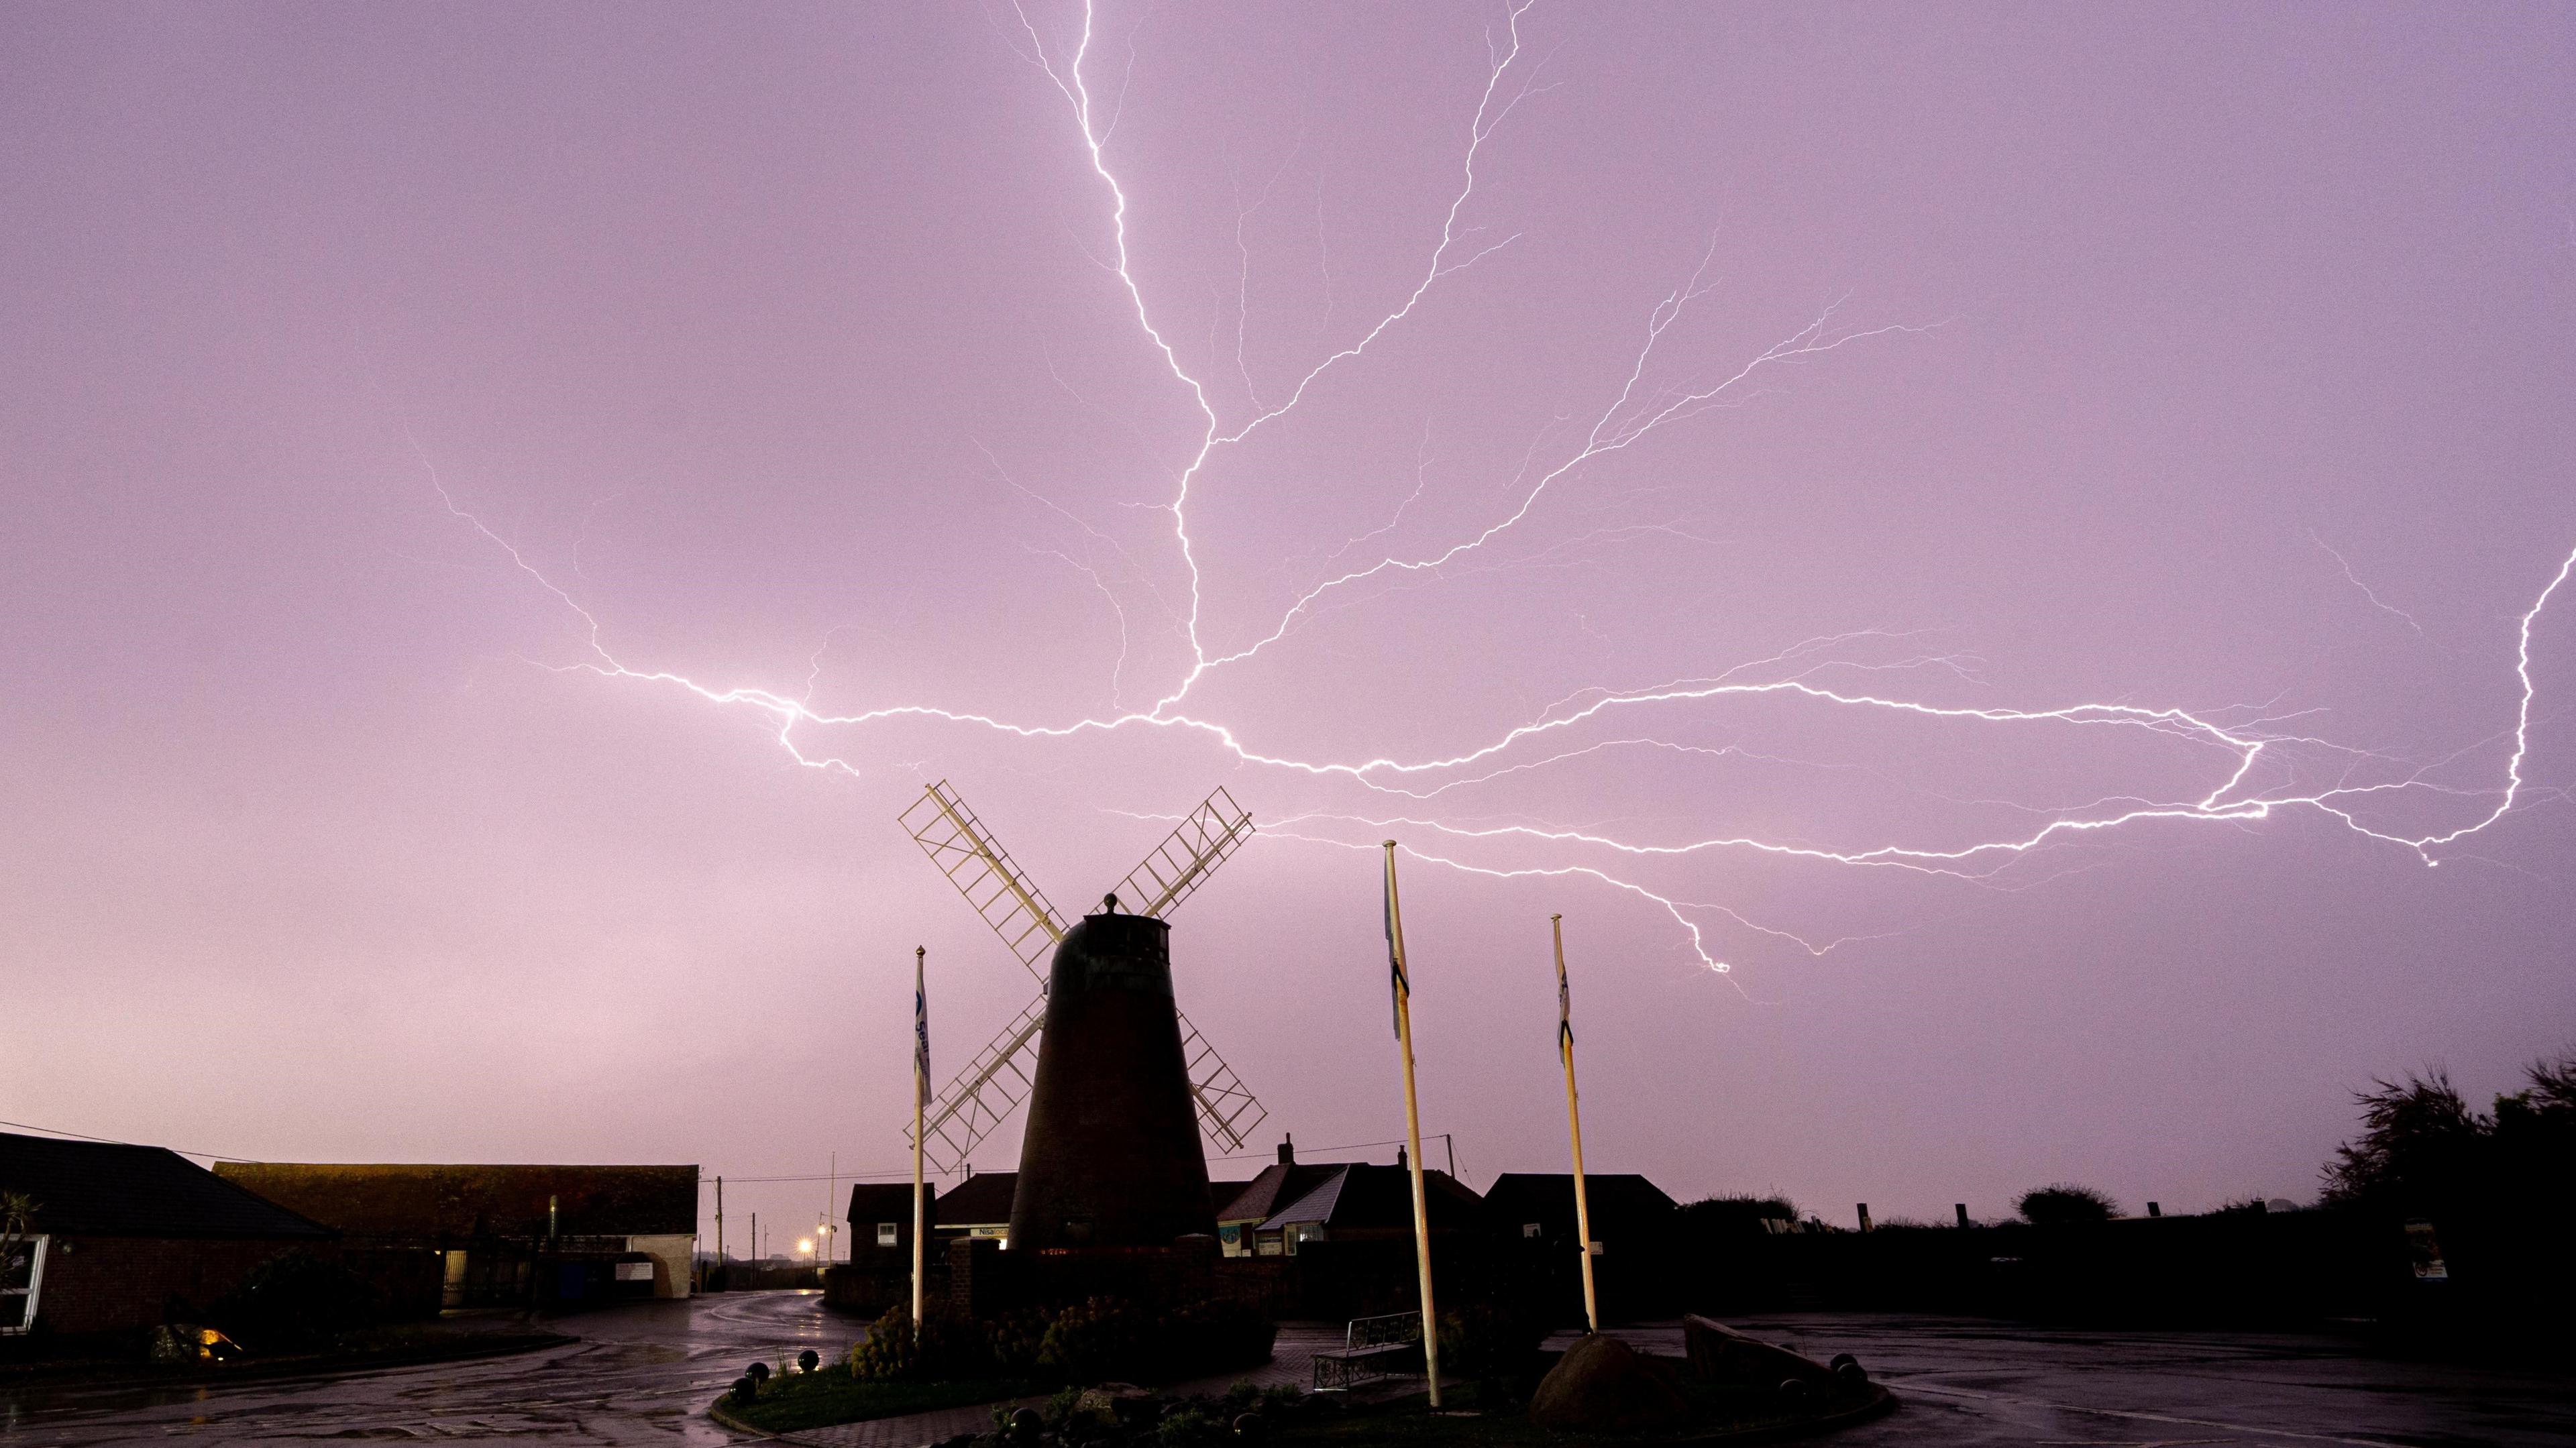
(1119, 1083)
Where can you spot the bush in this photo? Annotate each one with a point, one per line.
(1015, 1339)
(943, 1348)
(1735, 1216)
(1104, 1339)
(1098, 1340)
(2065, 1202)
(297, 1297)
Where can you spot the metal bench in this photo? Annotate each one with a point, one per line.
(1372, 1347)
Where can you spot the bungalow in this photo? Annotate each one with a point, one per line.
(1241, 1210)
(121, 1237)
(1361, 1202)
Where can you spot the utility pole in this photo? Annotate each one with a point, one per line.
(720, 1245)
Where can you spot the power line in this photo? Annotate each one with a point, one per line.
(113, 1141)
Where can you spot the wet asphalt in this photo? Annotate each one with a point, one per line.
(643, 1374)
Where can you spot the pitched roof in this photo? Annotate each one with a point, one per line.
(1617, 1201)
(1279, 1184)
(92, 1188)
(888, 1201)
(419, 1201)
(1362, 1194)
(982, 1200)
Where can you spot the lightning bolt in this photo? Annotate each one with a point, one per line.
(1813, 673)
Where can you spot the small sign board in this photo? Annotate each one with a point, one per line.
(2426, 1253)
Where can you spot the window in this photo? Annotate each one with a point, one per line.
(1529, 1229)
(887, 1232)
(22, 1282)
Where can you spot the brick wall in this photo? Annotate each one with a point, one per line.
(109, 1284)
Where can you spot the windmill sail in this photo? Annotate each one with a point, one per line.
(985, 874)
(992, 1085)
(986, 1092)
(1183, 861)
(1227, 1111)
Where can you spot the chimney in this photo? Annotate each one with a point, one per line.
(1400, 1162)
(1288, 1150)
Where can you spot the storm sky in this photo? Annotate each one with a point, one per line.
(2204, 359)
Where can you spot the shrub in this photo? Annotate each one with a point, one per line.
(1736, 1215)
(1190, 1428)
(1015, 1339)
(1098, 1340)
(2065, 1202)
(942, 1348)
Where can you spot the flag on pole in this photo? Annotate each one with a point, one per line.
(1564, 1015)
(920, 1034)
(1397, 986)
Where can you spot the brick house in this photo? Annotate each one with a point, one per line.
(128, 1237)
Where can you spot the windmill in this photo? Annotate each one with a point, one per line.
(980, 1097)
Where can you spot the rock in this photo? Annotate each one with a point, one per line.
(1601, 1385)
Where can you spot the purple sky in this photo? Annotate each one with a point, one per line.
(2229, 373)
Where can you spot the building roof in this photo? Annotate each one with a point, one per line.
(1359, 1195)
(449, 1202)
(982, 1200)
(889, 1201)
(1618, 1202)
(1279, 1184)
(95, 1188)
(1220, 1194)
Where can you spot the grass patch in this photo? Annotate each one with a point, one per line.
(820, 1399)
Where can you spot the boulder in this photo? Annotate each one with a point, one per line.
(1601, 1385)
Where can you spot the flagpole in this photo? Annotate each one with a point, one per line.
(1412, 1125)
(920, 1087)
(1574, 1125)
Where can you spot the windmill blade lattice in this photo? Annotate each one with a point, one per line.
(1186, 857)
(980, 1097)
(985, 874)
(1227, 1111)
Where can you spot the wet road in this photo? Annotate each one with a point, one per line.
(643, 1375)
(1967, 1381)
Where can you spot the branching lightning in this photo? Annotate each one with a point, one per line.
(1807, 675)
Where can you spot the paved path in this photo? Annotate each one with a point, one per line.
(644, 1373)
